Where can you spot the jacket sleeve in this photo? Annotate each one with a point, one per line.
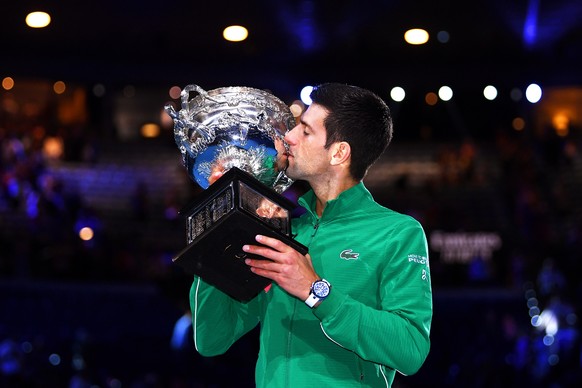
(219, 320)
(397, 333)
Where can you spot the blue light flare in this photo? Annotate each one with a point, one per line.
(530, 27)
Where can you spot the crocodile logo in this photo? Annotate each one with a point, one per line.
(349, 254)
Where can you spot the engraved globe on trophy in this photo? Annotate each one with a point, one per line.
(231, 141)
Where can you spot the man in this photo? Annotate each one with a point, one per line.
(358, 307)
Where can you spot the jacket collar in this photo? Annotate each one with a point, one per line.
(334, 208)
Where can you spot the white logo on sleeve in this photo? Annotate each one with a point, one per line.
(412, 258)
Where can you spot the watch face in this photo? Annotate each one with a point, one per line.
(321, 289)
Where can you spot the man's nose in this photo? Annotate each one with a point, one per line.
(289, 135)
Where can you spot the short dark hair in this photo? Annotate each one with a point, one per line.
(360, 118)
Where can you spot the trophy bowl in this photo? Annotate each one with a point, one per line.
(230, 127)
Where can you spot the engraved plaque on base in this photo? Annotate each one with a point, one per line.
(226, 216)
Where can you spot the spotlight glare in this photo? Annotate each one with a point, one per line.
(445, 93)
(490, 92)
(305, 95)
(235, 33)
(416, 36)
(533, 93)
(397, 93)
(38, 19)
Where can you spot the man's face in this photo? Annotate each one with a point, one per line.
(308, 159)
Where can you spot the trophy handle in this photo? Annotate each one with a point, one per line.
(206, 133)
(185, 94)
(185, 127)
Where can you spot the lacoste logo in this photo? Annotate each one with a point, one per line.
(348, 254)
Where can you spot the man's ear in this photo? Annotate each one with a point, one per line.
(341, 153)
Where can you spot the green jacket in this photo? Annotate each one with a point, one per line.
(375, 321)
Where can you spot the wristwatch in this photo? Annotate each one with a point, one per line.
(319, 291)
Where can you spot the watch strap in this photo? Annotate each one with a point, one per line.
(311, 300)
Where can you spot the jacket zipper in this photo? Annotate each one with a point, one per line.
(314, 232)
(315, 228)
(360, 369)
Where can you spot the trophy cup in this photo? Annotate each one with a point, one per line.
(231, 141)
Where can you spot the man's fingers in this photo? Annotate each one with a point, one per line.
(261, 264)
(270, 248)
(271, 242)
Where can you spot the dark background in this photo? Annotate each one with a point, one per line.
(103, 312)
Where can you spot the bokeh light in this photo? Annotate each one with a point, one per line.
(297, 108)
(150, 130)
(445, 93)
(516, 94)
(7, 83)
(533, 93)
(99, 90)
(174, 92)
(416, 36)
(443, 36)
(55, 359)
(305, 95)
(431, 98)
(490, 92)
(86, 233)
(397, 93)
(59, 87)
(38, 19)
(518, 124)
(235, 33)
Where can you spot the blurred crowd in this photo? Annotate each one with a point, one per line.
(536, 181)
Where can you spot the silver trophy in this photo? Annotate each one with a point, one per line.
(231, 141)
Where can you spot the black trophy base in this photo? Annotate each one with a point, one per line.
(216, 254)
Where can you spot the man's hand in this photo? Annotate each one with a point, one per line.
(288, 268)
